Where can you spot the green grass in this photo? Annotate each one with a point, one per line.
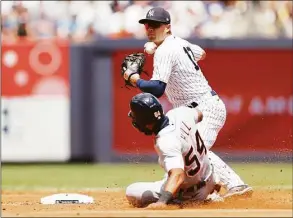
(120, 175)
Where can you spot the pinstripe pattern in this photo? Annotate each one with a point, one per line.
(185, 84)
(227, 176)
(214, 117)
(173, 66)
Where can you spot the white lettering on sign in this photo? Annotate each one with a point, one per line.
(276, 105)
(256, 106)
(290, 105)
(270, 106)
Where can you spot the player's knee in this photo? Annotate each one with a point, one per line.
(138, 196)
(131, 190)
(132, 195)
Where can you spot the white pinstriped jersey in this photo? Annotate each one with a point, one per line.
(180, 146)
(175, 63)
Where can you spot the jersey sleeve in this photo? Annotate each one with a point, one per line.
(197, 51)
(170, 153)
(163, 63)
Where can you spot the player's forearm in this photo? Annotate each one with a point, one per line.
(175, 180)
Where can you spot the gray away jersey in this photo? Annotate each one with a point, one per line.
(175, 63)
(179, 146)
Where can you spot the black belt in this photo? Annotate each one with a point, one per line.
(194, 104)
(192, 189)
(196, 187)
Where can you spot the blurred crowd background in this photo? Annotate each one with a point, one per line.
(81, 21)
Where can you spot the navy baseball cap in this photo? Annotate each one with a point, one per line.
(157, 14)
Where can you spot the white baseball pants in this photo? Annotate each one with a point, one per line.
(214, 117)
(141, 194)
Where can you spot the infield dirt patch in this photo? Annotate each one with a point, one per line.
(109, 203)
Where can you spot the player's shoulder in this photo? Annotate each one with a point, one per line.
(178, 111)
(167, 141)
(170, 44)
(167, 137)
(182, 114)
(180, 42)
(165, 48)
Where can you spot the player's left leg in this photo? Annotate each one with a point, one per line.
(141, 194)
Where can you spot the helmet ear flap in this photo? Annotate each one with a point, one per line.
(146, 112)
(137, 126)
(142, 129)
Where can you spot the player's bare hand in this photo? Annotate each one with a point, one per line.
(157, 206)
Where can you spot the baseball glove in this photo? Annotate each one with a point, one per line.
(134, 63)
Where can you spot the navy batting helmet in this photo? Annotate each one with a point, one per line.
(145, 110)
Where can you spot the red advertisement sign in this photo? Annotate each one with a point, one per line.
(34, 108)
(256, 86)
(35, 68)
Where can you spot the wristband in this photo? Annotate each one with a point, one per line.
(128, 80)
(165, 197)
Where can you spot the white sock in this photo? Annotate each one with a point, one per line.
(228, 178)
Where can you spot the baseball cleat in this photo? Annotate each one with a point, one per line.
(241, 191)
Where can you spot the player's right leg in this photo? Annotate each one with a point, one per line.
(140, 194)
(228, 178)
(214, 119)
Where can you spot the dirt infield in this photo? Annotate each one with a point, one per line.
(109, 203)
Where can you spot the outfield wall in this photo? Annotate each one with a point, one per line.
(65, 102)
(35, 102)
